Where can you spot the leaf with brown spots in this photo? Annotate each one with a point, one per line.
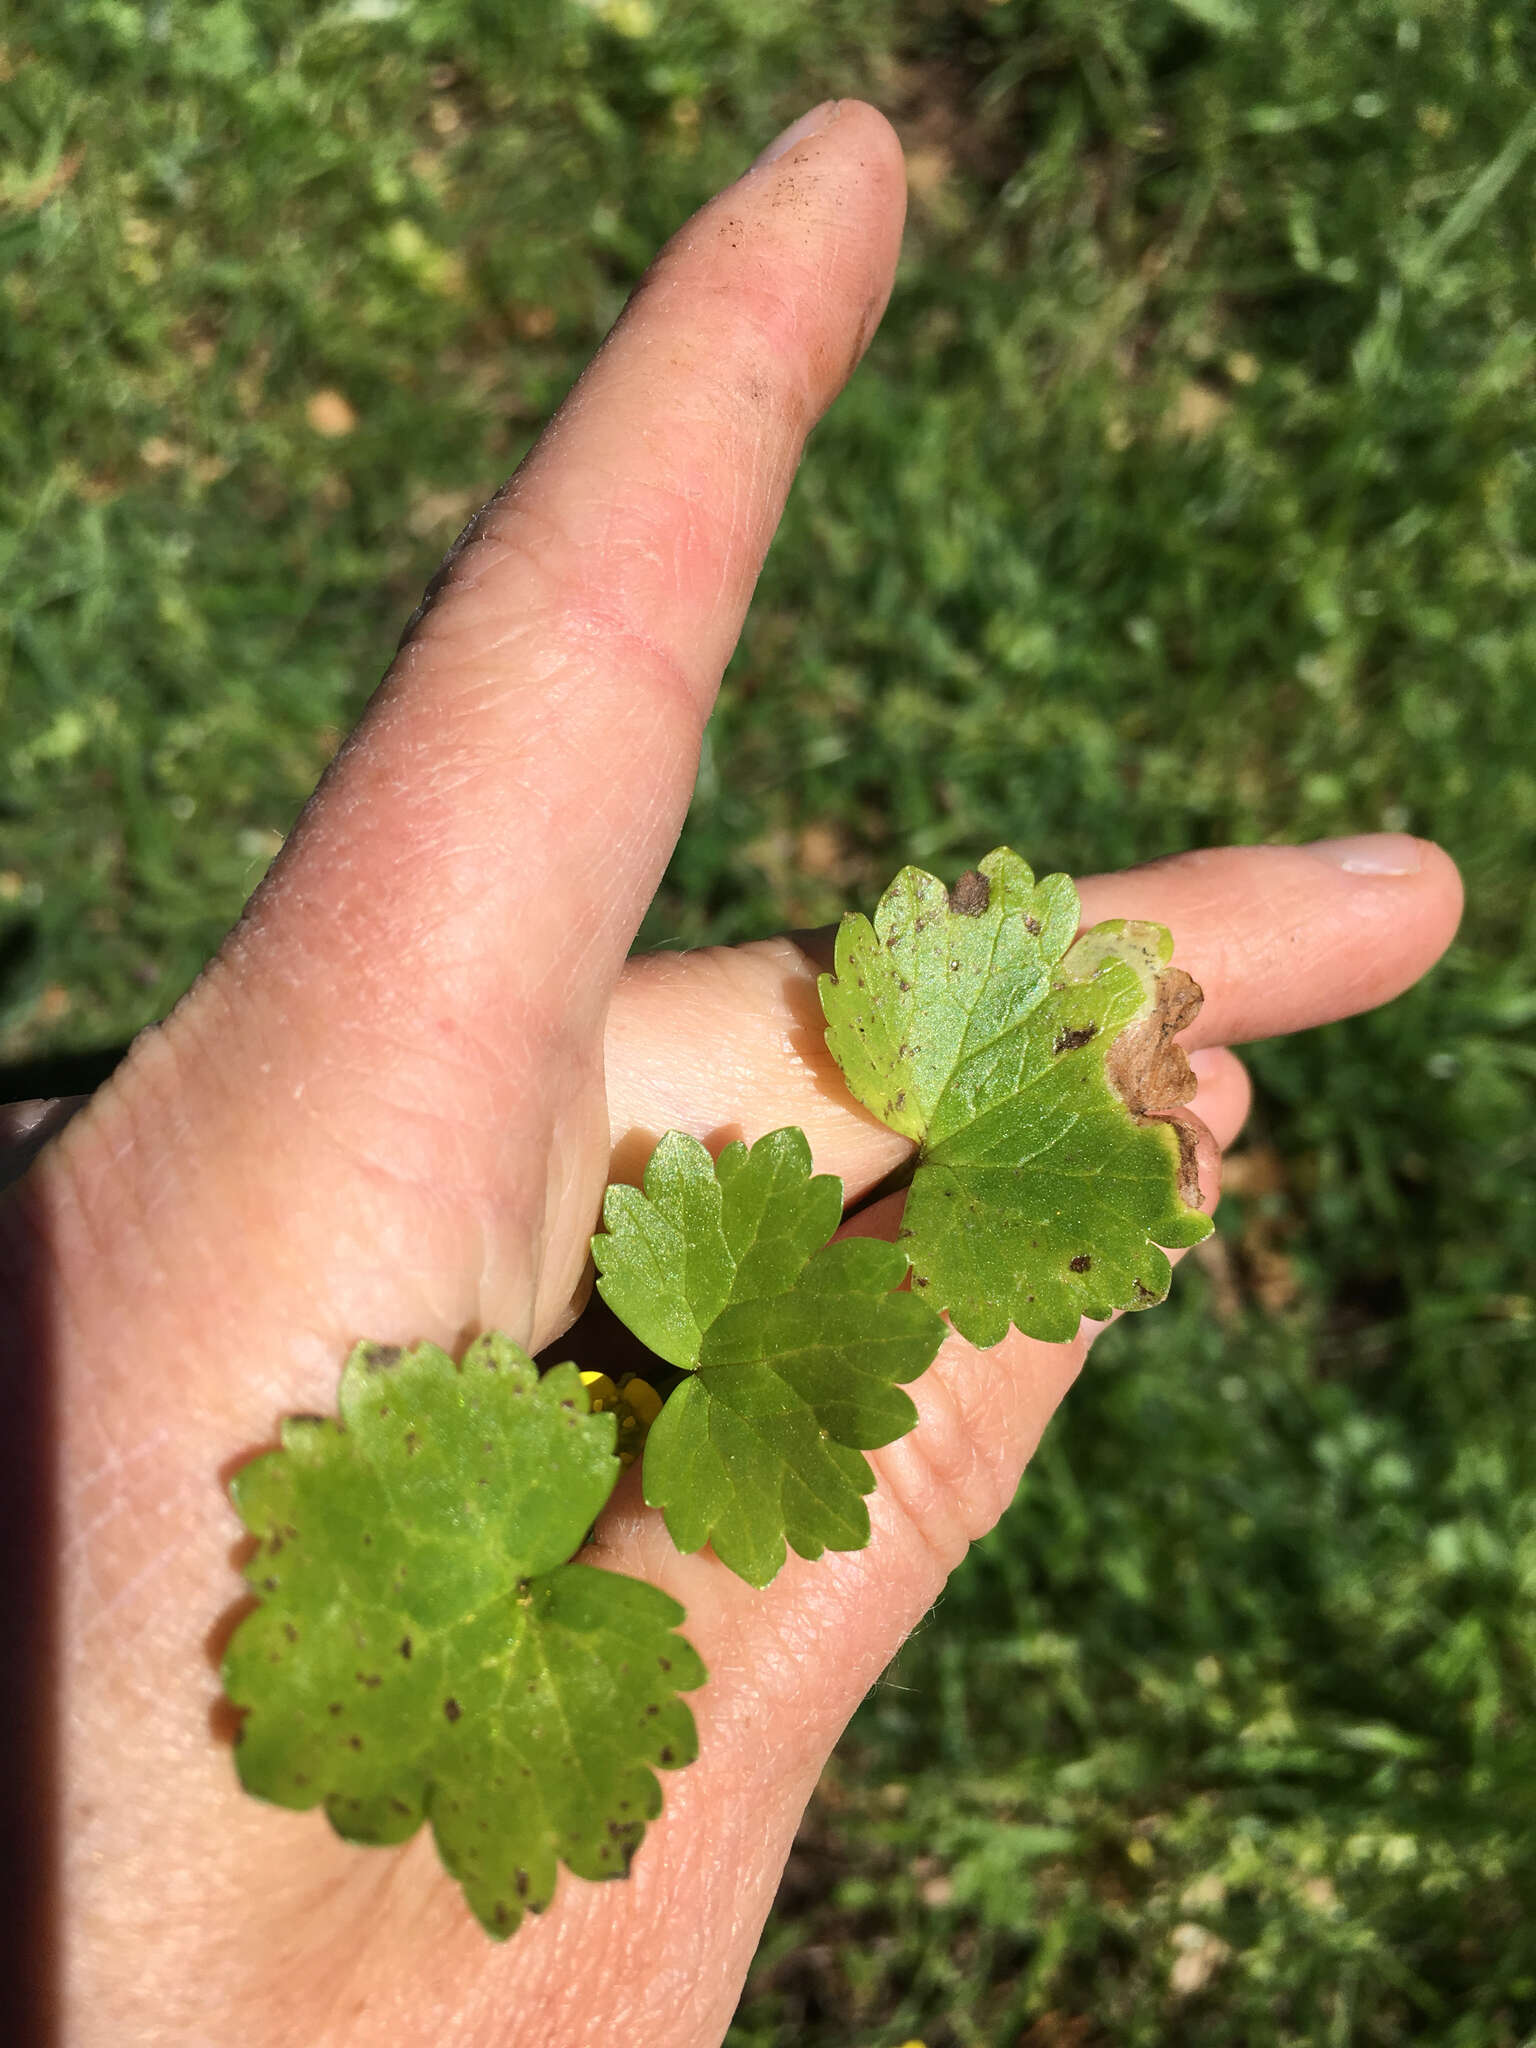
(424, 1650)
(1037, 1076)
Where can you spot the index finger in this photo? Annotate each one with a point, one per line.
(1284, 937)
(731, 1041)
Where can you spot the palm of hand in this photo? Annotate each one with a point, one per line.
(391, 1108)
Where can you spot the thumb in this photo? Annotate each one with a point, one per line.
(465, 886)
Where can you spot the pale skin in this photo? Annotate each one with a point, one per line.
(390, 1108)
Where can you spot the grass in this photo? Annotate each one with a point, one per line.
(1185, 496)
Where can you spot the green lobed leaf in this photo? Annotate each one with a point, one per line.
(423, 1649)
(796, 1347)
(1036, 1075)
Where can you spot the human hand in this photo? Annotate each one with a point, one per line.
(383, 1112)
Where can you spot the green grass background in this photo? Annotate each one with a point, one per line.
(1187, 495)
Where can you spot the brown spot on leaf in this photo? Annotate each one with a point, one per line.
(452, 1709)
(1148, 1070)
(1075, 1036)
(384, 1357)
(405, 1646)
(1033, 926)
(1189, 1163)
(971, 894)
(1080, 1264)
(1144, 1066)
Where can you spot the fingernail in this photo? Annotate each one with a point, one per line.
(1206, 1061)
(797, 131)
(1371, 853)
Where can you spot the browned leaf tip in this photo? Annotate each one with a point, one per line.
(1148, 1070)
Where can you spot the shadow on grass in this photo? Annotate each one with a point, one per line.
(37, 1097)
(29, 1945)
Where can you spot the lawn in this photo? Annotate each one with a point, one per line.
(1187, 495)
